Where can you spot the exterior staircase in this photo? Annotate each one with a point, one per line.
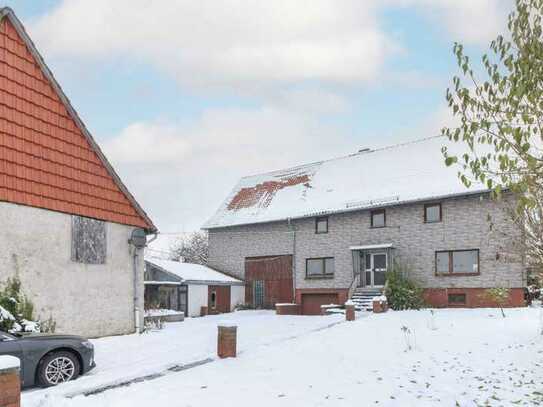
(362, 298)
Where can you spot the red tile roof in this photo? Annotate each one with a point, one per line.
(48, 159)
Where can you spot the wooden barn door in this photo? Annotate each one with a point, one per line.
(268, 281)
(218, 299)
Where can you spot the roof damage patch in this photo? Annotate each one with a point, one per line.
(262, 194)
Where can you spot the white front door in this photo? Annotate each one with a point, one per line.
(375, 269)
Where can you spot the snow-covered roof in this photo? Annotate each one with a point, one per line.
(387, 176)
(193, 273)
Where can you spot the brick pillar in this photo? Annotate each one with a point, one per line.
(349, 311)
(10, 383)
(380, 306)
(203, 311)
(226, 341)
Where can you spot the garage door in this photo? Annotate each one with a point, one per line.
(311, 303)
(268, 281)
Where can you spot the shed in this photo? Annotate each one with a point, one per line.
(188, 287)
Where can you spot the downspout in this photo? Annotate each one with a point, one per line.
(137, 247)
(293, 231)
(136, 296)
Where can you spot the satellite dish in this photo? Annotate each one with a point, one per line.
(138, 238)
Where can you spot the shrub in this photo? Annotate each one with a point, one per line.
(401, 292)
(499, 295)
(16, 310)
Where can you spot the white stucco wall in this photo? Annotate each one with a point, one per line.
(197, 298)
(90, 300)
(237, 296)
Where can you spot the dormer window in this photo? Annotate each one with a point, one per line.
(321, 224)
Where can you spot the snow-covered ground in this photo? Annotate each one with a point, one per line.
(456, 357)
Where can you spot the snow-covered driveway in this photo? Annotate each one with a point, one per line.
(120, 358)
(459, 357)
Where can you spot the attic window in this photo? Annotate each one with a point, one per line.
(378, 218)
(321, 225)
(89, 244)
(432, 213)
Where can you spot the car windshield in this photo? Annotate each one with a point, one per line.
(6, 337)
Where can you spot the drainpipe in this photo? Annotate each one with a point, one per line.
(139, 242)
(136, 296)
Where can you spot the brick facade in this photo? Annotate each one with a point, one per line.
(287, 309)
(469, 222)
(474, 297)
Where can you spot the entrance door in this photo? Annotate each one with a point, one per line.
(376, 267)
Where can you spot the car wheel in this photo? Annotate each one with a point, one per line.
(58, 367)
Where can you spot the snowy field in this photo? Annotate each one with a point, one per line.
(454, 358)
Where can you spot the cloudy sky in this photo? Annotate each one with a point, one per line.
(187, 96)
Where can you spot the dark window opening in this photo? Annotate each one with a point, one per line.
(432, 213)
(378, 218)
(457, 299)
(89, 243)
(321, 225)
(457, 262)
(319, 267)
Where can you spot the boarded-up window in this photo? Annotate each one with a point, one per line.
(89, 244)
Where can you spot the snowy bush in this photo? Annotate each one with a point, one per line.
(16, 311)
(401, 292)
(499, 295)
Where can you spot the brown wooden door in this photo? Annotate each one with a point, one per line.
(218, 299)
(311, 303)
(268, 281)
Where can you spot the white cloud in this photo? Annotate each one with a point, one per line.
(470, 21)
(181, 172)
(228, 43)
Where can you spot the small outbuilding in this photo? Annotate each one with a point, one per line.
(188, 287)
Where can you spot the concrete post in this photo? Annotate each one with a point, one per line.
(10, 383)
(349, 311)
(227, 341)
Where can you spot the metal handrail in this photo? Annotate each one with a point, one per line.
(354, 284)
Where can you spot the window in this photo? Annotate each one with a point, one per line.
(213, 299)
(457, 262)
(432, 213)
(319, 268)
(321, 225)
(378, 218)
(457, 299)
(88, 240)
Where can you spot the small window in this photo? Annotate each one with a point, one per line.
(432, 213)
(320, 267)
(457, 299)
(378, 219)
(321, 225)
(457, 262)
(89, 244)
(213, 299)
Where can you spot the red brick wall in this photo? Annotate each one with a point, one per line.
(287, 309)
(475, 297)
(10, 388)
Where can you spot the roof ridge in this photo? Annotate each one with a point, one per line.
(379, 149)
